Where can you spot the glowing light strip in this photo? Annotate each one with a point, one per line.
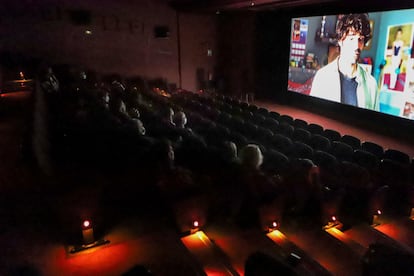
(201, 246)
(277, 236)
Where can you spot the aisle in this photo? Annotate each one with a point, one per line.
(14, 122)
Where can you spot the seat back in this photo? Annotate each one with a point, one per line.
(301, 150)
(366, 159)
(332, 135)
(353, 141)
(342, 151)
(315, 128)
(286, 118)
(302, 135)
(319, 142)
(373, 148)
(282, 143)
(397, 155)
(299, 123)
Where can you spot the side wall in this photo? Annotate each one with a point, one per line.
(236, 57)
(122, 38)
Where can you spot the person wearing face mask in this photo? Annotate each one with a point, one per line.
(344, 80)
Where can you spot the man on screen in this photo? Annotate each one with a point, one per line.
(343, 80)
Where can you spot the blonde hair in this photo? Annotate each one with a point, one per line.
(251, 156)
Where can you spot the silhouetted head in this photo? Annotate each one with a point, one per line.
(180, 119)
(251, 156)
(167, 114)
(138, 125)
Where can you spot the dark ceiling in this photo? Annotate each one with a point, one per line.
(222, 5)
(260, 5)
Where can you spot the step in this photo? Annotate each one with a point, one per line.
(329, 252)
(308, 264)
(211, 258)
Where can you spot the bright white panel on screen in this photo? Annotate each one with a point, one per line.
(314, 45)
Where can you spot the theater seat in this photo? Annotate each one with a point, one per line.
(263, 135)
(253, 108)
(225, 118)
(238, 124)
(262, 111)
(272, 125)
(394, 172)
(319, 142)
(275, 162)
(332, 135)
(301, 150)
(299, 123)
(259, 119)
(315, 128)
(353, 141)
(373, 148)
(366, 160)
(238, 138)
(342, 151)
(269, 123)
(274, 115)
(237, 111)
(328, 168)
(244, 105)
(282, 143)
(286, 119)
(286, 129)
(397, 155)
(302, 135)
(397, 176)
(386, 259)
(378, 200)
(357, 184)
(248, 115)
(249, 130)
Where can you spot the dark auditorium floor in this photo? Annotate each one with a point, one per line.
(30, 235)
(30, 242)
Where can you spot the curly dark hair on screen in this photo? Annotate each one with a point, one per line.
(358, 22)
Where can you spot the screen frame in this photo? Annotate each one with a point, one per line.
(299, 16)
(390, 126)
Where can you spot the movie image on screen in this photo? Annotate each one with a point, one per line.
(364, 60)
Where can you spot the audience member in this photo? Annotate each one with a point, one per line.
(138, 125)
(223, 190)
(103, 98)
(256, 188)
(167, 116)
(134, 113)
(117, 90)
(48, 81)
(229, 152)
(118, 108)
(175, 182)
(302, 191)
(180, 119)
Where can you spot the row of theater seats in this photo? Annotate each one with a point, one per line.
(357, 177)
(364, 170)
(365, 176)
(352, 173)
(251, 118)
